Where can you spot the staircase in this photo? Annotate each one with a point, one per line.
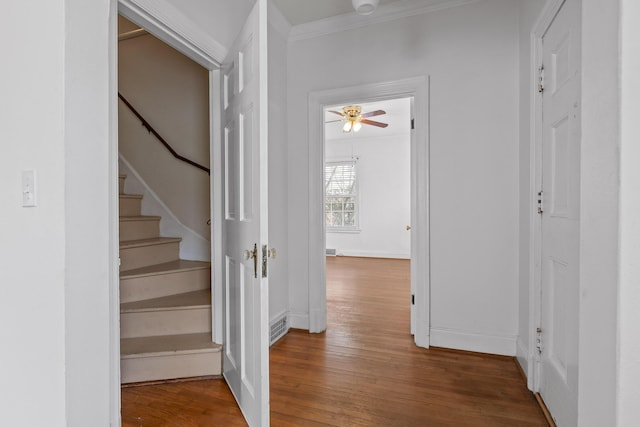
(165, 303)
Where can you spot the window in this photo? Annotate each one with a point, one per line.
(341, 204)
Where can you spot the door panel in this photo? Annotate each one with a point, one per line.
(244, 229)
(561, 216)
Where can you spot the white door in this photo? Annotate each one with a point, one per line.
(561, 215)
(244, 227)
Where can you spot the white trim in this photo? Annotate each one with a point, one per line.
(193, 246)
(544, 21)
(167, 23)
(523, 358)
(418, 89)
(473, 341)
(114, 223)
(215, 151)
(298, 320)
(385, 13)
(372, 254)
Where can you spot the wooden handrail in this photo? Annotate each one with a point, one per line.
(160, 138)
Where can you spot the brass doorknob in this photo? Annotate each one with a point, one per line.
(408, 227)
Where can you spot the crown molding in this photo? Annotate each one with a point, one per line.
(170, 25)
(278, 20)
(385, 13)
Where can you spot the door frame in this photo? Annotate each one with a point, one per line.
(418, 89)
(549, 12)
(159, 19)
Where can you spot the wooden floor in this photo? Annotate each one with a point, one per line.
(364, 371)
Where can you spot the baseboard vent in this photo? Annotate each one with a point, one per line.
(279, 328)
(331, 252)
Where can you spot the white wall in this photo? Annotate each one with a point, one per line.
(628, 375)
(172, 94)
(56, 259)
(471, 55)
(383, 175)
(278, 175)
(599, 213)
(529, 12)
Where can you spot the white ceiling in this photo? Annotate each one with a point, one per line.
(302, 11)
(398, 116)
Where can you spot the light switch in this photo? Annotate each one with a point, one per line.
(28, 188)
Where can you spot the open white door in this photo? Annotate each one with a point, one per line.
(561, 216)
(244, 224)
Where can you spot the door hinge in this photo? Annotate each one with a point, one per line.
(540, 210)
(541, 79)
(539, 340)
(413, 299)
(413, 124)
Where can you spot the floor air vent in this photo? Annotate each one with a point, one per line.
(331, 252)
(278, 329)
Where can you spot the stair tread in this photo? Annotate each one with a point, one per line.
(185, 300)
(167, 267)
(167, 345)
(148, 242)
(130, 196)
(140, 218)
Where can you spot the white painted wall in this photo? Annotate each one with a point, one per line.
(33, 240)
(172, 94)
(56, 260)
(384, 184)
(599, 214)
(278, 168)
(471, 54)
(628, 375)
(529, 12)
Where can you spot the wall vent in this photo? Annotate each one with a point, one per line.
(331, 252)
(278, 329)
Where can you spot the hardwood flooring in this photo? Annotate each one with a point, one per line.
(364, 371)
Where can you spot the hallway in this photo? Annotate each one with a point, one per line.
(364, 371)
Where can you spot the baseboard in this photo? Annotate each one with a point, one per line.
(472, 341)
(298, 320)
(522, 357)
(193, 246)
(372, 254)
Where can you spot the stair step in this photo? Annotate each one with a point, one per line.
(146, 252)
(168, 357)
(139, 227)
(130, 204)
(186, 313)
(166, 279)
(121, 178)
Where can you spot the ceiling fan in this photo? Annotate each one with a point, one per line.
(353, 118)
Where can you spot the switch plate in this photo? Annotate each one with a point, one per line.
(29, 188)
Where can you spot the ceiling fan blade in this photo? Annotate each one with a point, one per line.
(333, 121)
(373, 113)
(374, 123)
(335, 112)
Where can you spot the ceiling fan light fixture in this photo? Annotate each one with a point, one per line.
(364, 7)
(347, 126)
(357, 126)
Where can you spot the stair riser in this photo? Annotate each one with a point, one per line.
(130, 206)
(165, 322)
(137, 230)
(121, 180)
(162, 285)
(144, 256)
(167, 367)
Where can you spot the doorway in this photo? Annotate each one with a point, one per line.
(417, 89)
(367, 177)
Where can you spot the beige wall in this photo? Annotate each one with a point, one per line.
(172, 93)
